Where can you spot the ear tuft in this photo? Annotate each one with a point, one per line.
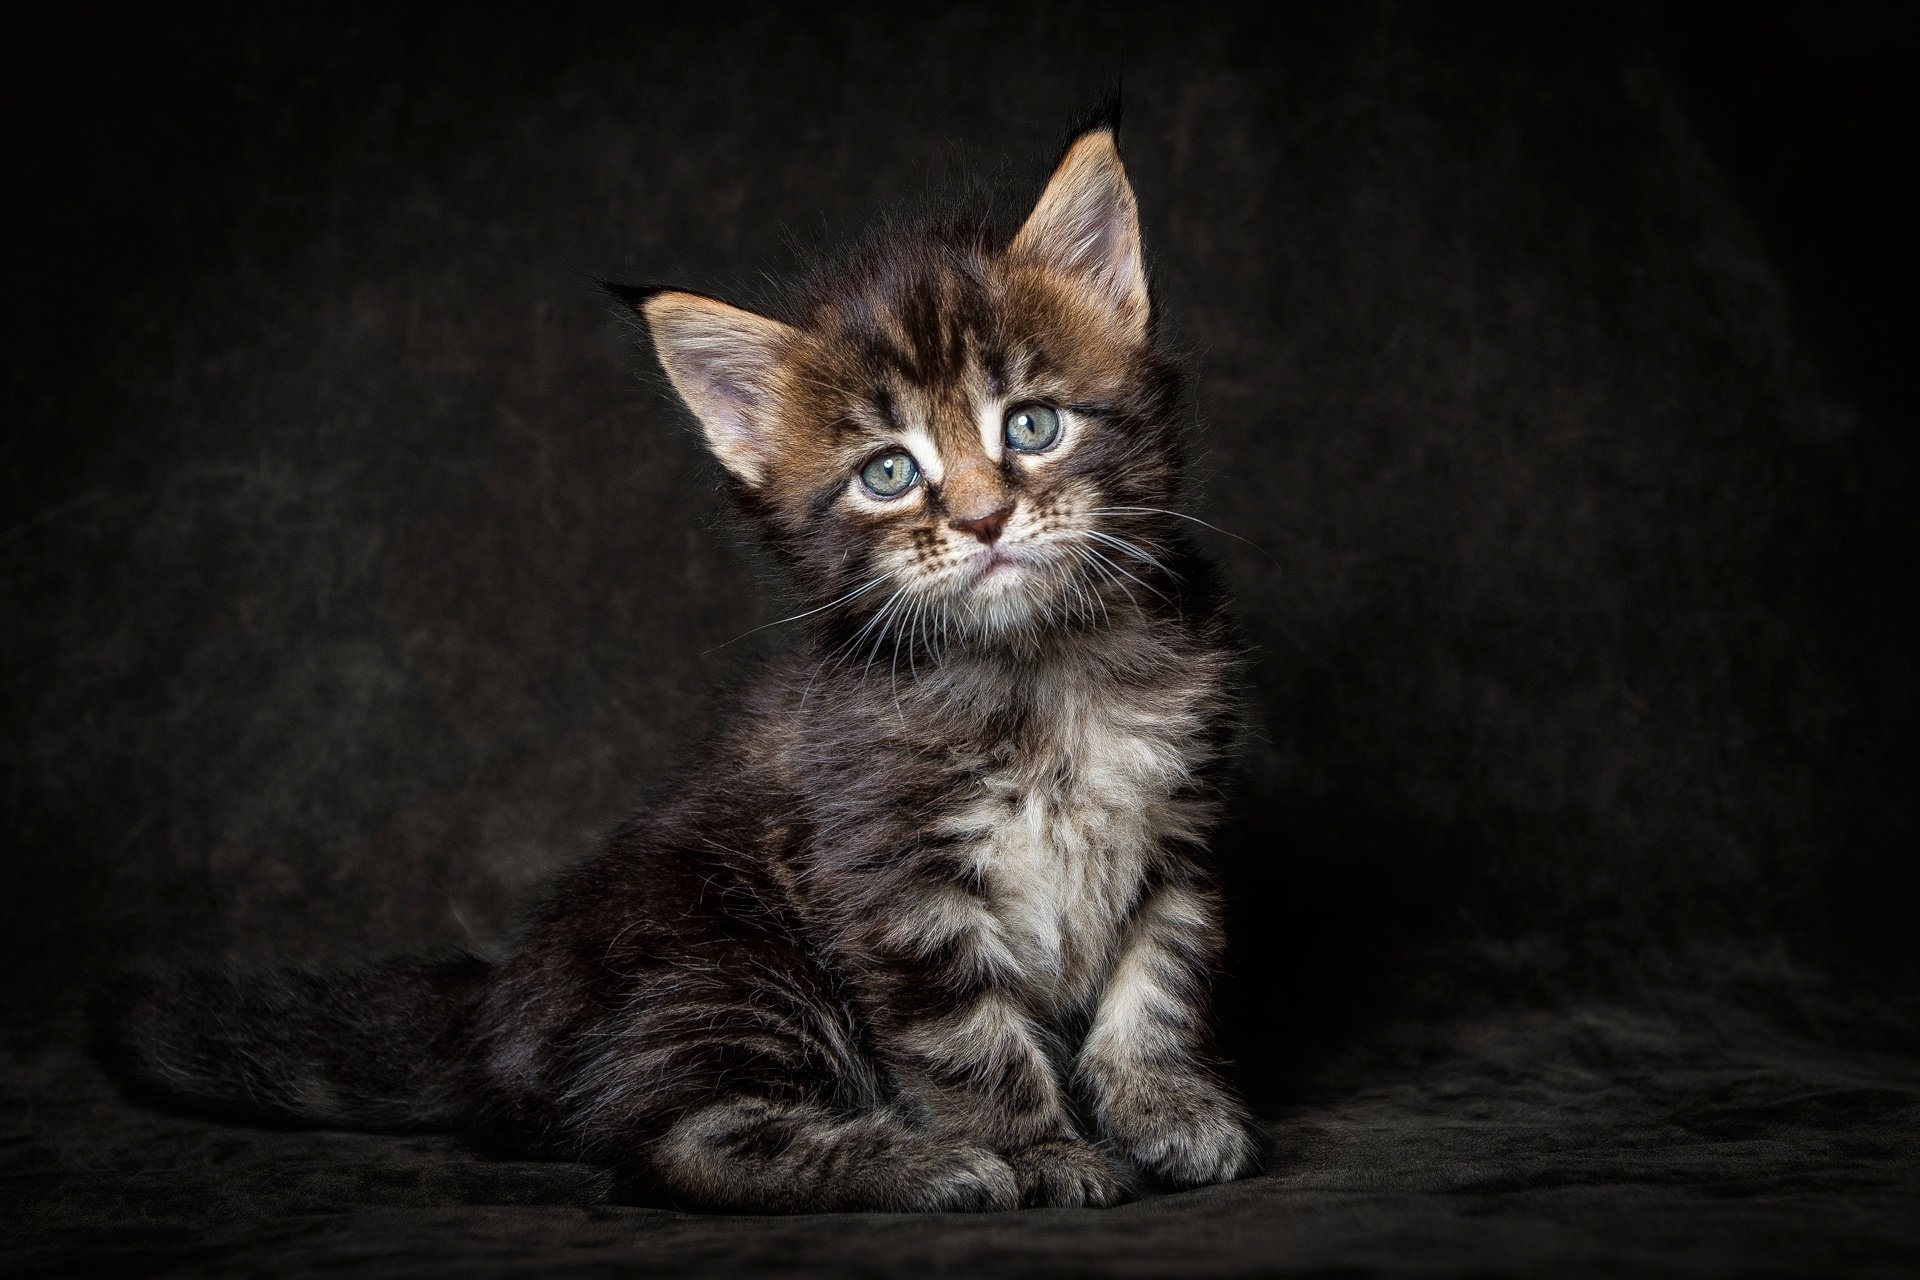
(1086, 226)
(725, 363)
(1105, 114)
(631, 295)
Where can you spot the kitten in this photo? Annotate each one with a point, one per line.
(928, 927)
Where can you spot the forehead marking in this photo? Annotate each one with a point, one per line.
(954, 416)
(990, 412)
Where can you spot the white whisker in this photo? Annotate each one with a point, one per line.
(1181, 515)
(1122, 569)
(863, 587)
(1132, 549)
(1101, 565)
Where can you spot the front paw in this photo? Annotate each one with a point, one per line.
(1065, 1172)
(962, 1179)
(1188, 1131)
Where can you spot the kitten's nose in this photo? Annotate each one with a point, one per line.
(987, 527)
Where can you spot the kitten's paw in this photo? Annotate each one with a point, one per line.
(1191, 1133)
(1065, 1172)
(960, 1179)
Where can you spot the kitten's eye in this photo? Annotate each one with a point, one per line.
(1032, 427)
(890, 474)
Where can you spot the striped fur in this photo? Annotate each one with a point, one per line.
(928, 928)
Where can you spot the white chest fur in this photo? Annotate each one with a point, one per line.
(1065, 828)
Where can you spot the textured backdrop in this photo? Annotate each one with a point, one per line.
(355, 574)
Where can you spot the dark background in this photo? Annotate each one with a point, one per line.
(351, 583)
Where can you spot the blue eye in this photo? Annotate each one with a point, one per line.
(1032, 427)
(890, 474)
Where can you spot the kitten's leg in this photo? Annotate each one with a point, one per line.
(731, 1088)
(981, 1070)
(764, 1155)
(1143, 1065)
(945, 1014)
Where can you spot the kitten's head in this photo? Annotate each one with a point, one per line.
(958, 434)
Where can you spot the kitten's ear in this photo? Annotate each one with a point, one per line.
(724, 362)
(1087, 227)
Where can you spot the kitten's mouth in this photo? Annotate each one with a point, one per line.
(996, 563)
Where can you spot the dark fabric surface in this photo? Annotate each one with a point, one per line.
(1592, 1140)
(351, 585)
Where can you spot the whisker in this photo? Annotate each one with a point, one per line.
(1131, 549)
(1100, 565)
(921, 611)
(913, 638)
(868, 585)
(881, 635)
(1181, 515)
(1099, 597)
(808, 691)
(851, 645)
(1122, 569)
(1087, 597)
(894, 680)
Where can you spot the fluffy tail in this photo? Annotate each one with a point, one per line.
(377, 1048)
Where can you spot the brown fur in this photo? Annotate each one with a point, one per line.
(929, 927)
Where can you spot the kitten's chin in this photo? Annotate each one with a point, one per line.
(999, 571)
(1005, 595)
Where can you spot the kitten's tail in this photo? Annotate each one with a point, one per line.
(377, 1048)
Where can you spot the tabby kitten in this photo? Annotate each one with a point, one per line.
(927, 928)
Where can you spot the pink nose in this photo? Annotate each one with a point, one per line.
(987, 527)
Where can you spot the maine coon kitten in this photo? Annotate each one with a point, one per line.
(928, 927)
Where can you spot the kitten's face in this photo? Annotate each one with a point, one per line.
(954, 439)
